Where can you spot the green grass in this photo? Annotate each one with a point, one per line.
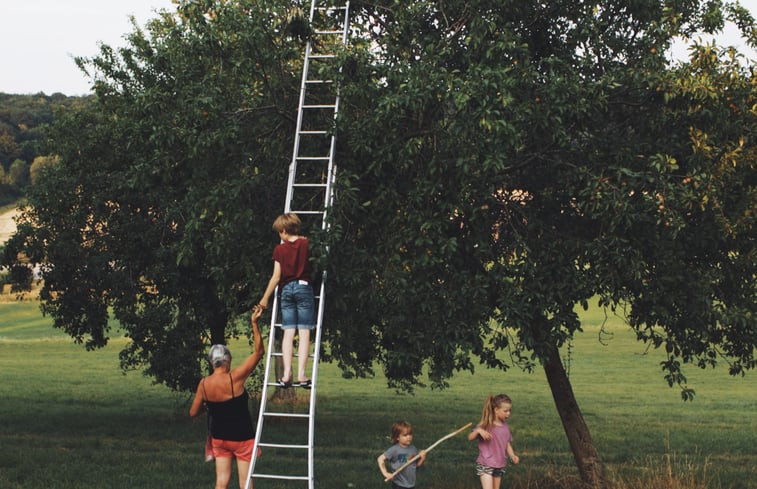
(23, 321)
(70, 419)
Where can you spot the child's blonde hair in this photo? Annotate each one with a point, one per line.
(492, 403)
(399, 428)
(288, 222)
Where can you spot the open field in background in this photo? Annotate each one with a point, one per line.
(70, 419)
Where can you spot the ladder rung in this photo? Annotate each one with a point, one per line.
(320, 106)
(286, 415)
(279, 354)
(314, 132)
(313, 158)
(281, 445)
(278, 325)
(309, 185)
(322, 56)
(329, 32)
(330, 8)
(319, 81)
(287, 477)
(307, 212)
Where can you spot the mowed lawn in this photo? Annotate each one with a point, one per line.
(71, 419)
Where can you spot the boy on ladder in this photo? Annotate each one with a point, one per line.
(291, 273)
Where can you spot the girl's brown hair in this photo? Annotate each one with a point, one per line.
(491, 403)
(399, 428)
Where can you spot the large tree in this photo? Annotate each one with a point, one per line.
(504, 163)
(159, 207)
(501, 163)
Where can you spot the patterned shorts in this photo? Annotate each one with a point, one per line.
(492, 471)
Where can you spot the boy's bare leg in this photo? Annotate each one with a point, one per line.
(287, 350)
(303, 351)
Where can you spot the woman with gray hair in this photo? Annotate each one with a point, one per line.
(223, 394)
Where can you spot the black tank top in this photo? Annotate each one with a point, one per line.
(230, 420)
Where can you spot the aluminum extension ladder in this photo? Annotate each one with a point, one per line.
(310, 194)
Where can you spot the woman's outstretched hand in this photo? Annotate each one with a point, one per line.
(257, 311)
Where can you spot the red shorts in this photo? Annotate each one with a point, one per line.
(241, 450)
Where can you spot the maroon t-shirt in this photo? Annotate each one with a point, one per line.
(294, 258)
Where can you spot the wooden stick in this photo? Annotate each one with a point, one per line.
(427, 450)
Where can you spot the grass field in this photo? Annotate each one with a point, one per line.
(70, 419)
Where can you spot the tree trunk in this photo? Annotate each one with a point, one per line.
(217, 319)
(209, 307)
(586, 455)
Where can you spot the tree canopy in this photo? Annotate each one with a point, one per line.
(159, 209)
(501, 163)
(531, 157)
(505, 163)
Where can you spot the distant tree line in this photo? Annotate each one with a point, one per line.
(23, 147)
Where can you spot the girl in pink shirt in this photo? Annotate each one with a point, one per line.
(494, 441)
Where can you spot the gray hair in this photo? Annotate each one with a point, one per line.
(219, 355)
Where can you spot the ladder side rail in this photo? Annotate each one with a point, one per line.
(331, 166)
(298, 129)
(314, 376)
(345, 25)
(331, 172)
(329, 196)
(312, 11)
(264, 395)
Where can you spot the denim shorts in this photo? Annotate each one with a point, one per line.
(297, 305)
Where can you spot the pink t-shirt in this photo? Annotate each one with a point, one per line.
(493, 452)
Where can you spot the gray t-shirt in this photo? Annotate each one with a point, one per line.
(397, 456)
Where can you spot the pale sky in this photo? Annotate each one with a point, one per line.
(39, 39)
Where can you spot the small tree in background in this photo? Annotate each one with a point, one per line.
(18, 173)
(38, 164)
